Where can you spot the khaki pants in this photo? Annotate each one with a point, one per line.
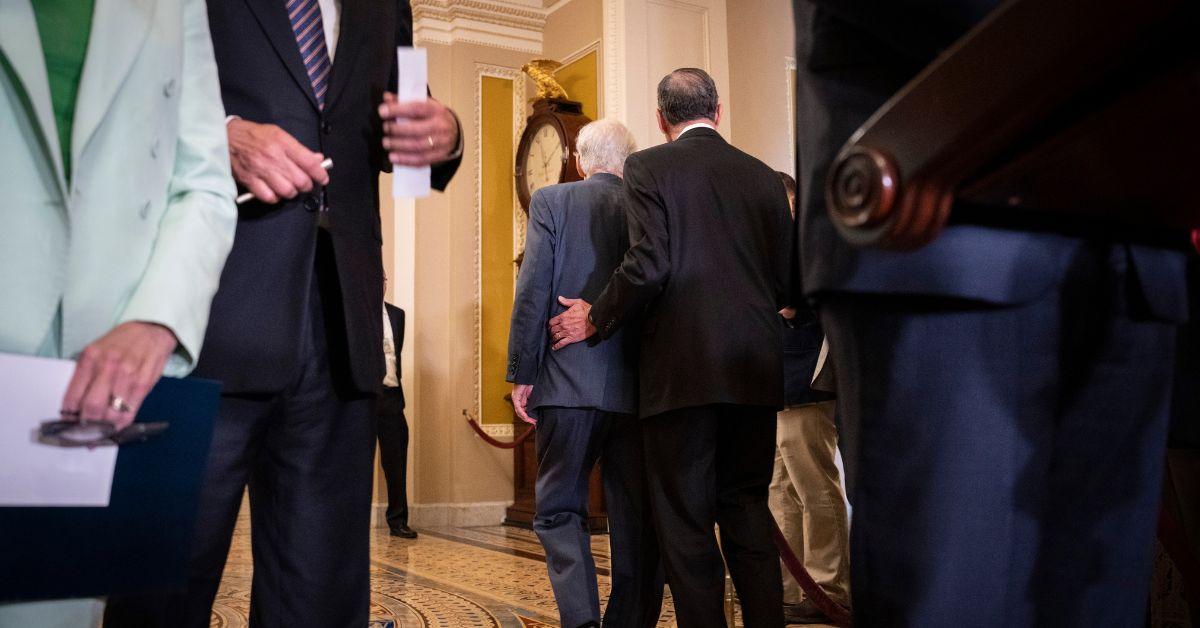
(808, 501)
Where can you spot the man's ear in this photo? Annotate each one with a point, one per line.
(720, 112)
(662, 124)
(579, 167)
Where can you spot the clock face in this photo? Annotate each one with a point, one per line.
(544, 162)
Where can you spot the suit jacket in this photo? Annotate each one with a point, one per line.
(396, 319)
(852, 56)
(710, 236)
(802, 337)
(259, 313)
(577, 236)
(141, 230)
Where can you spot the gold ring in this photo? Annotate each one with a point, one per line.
(430, 139)
(117, 404)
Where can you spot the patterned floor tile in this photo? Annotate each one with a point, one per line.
(485, 577)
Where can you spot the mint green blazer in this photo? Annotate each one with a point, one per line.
(143, 229)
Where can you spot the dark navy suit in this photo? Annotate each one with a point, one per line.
(1004, 392)
(802, 338)
(295, 332)
(585, 397)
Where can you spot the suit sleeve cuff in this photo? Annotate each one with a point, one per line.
(605, 325)
(458, 149)
(521, 371)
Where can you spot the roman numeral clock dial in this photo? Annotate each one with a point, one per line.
(546, 152)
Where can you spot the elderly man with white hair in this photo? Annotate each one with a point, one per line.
(583, 398)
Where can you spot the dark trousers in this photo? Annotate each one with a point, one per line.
(393, 453)
(1006, 462)
(569, 441)
(712, 465)
(307, 455)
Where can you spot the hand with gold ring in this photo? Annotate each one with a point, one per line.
(114, 374)
(419, 132)
(117, 404)
(573, 325)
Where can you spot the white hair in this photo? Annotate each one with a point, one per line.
(603, 146)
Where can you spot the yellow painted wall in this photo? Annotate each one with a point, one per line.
(581, 80)
(496, 246)
(451, 466)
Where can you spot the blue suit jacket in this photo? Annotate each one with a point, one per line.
(852, 56)
(577, 236)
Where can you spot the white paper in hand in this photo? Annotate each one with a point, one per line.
(412, 81)
(33, 474)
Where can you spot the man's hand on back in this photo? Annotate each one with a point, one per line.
(270, 163)
(573, 325)
(115, 373)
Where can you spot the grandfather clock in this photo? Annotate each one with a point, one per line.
(546, 156)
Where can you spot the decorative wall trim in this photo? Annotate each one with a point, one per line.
(704, 20)
(433, 515)
(581, 53)
(499, 430)
(483, 22)
(518, 107)
(613, 68)
(789, 68)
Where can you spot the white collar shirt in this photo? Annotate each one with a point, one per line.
(695, 126)
(389, 353)
(331, 20)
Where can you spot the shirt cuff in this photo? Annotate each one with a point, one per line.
(458, 149)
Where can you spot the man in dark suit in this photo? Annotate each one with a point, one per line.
(295, 328)
(710, 239)
(583, 398)
(393, 427)
(1003, 391)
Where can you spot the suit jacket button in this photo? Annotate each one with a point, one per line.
(326, 127)
(311, 204)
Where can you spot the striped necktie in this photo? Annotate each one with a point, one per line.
(305, 16)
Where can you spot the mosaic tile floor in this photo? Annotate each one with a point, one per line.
(478, 577)
(486, 577)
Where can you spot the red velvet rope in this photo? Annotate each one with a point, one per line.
(838, 615)
(493, 442)
(1174, 541)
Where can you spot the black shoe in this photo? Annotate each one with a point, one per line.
(404, 532)
(806, 612)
